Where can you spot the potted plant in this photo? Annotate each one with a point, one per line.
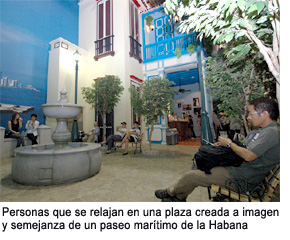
(149, 20)
(153, 99)
(104, 95)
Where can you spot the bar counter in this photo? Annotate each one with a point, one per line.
(182, 128)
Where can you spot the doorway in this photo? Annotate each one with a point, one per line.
(109, 124)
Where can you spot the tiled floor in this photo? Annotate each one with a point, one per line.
(131, 178)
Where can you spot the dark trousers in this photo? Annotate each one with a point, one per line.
(19, 138)
(193, 133)
(111, 139)
(217, 132)
(32, 138)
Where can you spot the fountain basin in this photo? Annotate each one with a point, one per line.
(61, 110)
(54, 164)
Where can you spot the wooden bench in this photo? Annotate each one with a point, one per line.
(260, 193)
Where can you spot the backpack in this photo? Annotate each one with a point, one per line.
(209, 156)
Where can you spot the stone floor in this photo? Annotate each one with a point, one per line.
(131, 178)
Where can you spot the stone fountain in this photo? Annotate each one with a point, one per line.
(62, 161)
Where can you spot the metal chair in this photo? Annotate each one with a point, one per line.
(262, 192)
(139, 141)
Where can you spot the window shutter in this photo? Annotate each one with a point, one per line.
(132, 19)
(108, 25)
(108, 18)
(136, 25)
(101, 26)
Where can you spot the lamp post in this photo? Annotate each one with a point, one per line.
(206, 134)
(75, 129)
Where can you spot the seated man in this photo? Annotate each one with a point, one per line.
(131, 136)
(121, 132)
(261, 155)
(93, 135)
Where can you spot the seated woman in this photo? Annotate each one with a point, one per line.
(131, 136)
(14, 126)
(31, 127)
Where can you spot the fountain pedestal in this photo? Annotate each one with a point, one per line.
(60, 162)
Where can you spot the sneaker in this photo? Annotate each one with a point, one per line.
(162, 193)
(173, 199)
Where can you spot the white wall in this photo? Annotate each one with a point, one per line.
(61, 75)
(186, 98)
(87, 25)
(121, 64)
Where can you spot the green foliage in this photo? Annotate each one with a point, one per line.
(177, 52)
(254, 23)
(155, 96)
(148, 20)
(222, 20)
(104, 94)
(235, 85)
(190, 49)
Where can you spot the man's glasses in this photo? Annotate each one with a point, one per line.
(252, 113)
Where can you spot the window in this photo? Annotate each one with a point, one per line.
(105, 37)
(135, 46)
(134, 22)
(164, 28)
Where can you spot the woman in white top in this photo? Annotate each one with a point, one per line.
(31, 127)
(131, 136)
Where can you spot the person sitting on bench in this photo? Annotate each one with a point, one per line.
(121, 132)
(261, 155)
(14, 126)
(93, 135)
(31, 127)
(131, 136)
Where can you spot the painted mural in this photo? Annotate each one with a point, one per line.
(25, 45)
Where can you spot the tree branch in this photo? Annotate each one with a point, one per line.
(268, 54)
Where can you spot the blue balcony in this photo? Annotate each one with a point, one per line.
(165, 49)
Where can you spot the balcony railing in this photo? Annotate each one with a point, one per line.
(104, 47)
(166, 48)
(135, 49)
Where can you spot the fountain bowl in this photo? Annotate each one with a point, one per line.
(53, 164)
(62, 161)
(61, 110)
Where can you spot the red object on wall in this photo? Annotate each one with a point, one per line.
(135, 78)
